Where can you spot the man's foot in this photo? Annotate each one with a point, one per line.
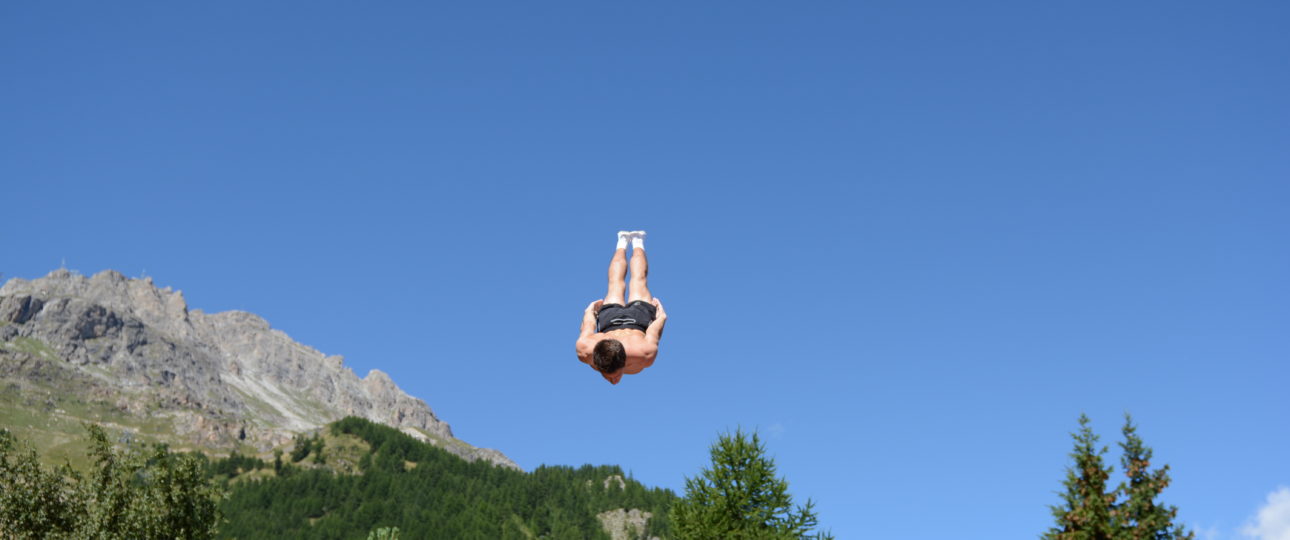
(638, 239)
(623, 238)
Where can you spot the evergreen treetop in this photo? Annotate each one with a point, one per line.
(1139, 516)
(740, 497)
(1089, 511)
(1085, 512)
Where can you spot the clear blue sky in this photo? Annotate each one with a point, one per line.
(909, 242)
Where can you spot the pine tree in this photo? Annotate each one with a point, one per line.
(1138, 516)
(740, 497)
(318, 451)
(1085, 512)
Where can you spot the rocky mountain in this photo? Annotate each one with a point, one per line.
(128, 354)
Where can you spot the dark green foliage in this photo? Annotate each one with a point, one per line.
(1085, 512)
(305, 446)
(136, 493)
(740, 497)
(236, 464)
(319, 458)
(426, 492)
(1089, 511)
(1139, 516)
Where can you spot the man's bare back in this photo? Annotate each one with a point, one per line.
(618, 337)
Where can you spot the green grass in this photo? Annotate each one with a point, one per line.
(32, 346)
(57, 438)
(53, 422)
(49, 411)
(343, 452)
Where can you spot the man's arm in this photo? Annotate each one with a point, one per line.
(654, 332)
(589, 319)
(585, 344)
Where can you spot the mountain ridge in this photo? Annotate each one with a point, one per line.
(222, 381)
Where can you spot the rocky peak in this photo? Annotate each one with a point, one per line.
(161, 308)
(224, 377)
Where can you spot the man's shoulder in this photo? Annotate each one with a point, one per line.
(639, 358)
(588, 342)
(642, 347)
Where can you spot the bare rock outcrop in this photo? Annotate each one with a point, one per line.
(624, 524)
(222, 378)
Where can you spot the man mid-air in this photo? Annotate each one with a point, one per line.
(621, 337)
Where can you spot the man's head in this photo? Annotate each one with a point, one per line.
(609, 357)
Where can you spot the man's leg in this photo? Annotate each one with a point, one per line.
(640, 270)
(618, 272)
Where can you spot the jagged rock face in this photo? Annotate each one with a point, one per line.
(222, 377)
(625, 524)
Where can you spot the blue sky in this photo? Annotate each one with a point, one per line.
(908, 242)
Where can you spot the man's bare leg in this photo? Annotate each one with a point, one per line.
(640, 270)
(618, 273)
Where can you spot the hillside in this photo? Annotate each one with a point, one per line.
(355, 476)
(304, 447)
(133, 357)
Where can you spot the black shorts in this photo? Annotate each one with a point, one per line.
(636, 315)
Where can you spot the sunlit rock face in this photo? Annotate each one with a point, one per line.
(219, 380)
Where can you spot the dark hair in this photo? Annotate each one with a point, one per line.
(609, 356)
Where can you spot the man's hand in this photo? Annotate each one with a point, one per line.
(654, 332)
(594, 307)
(660, 313)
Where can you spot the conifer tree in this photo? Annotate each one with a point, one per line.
(1085, 512)
(740, 497)
(1139, 516)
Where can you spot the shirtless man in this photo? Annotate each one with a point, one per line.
(620, 337)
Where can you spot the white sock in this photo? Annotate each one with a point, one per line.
(638, 239)
(622, 239)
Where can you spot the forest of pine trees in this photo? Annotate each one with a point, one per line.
(366, 480)
(426, 492)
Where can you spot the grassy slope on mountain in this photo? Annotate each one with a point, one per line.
(427, 493)
(46, 402)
